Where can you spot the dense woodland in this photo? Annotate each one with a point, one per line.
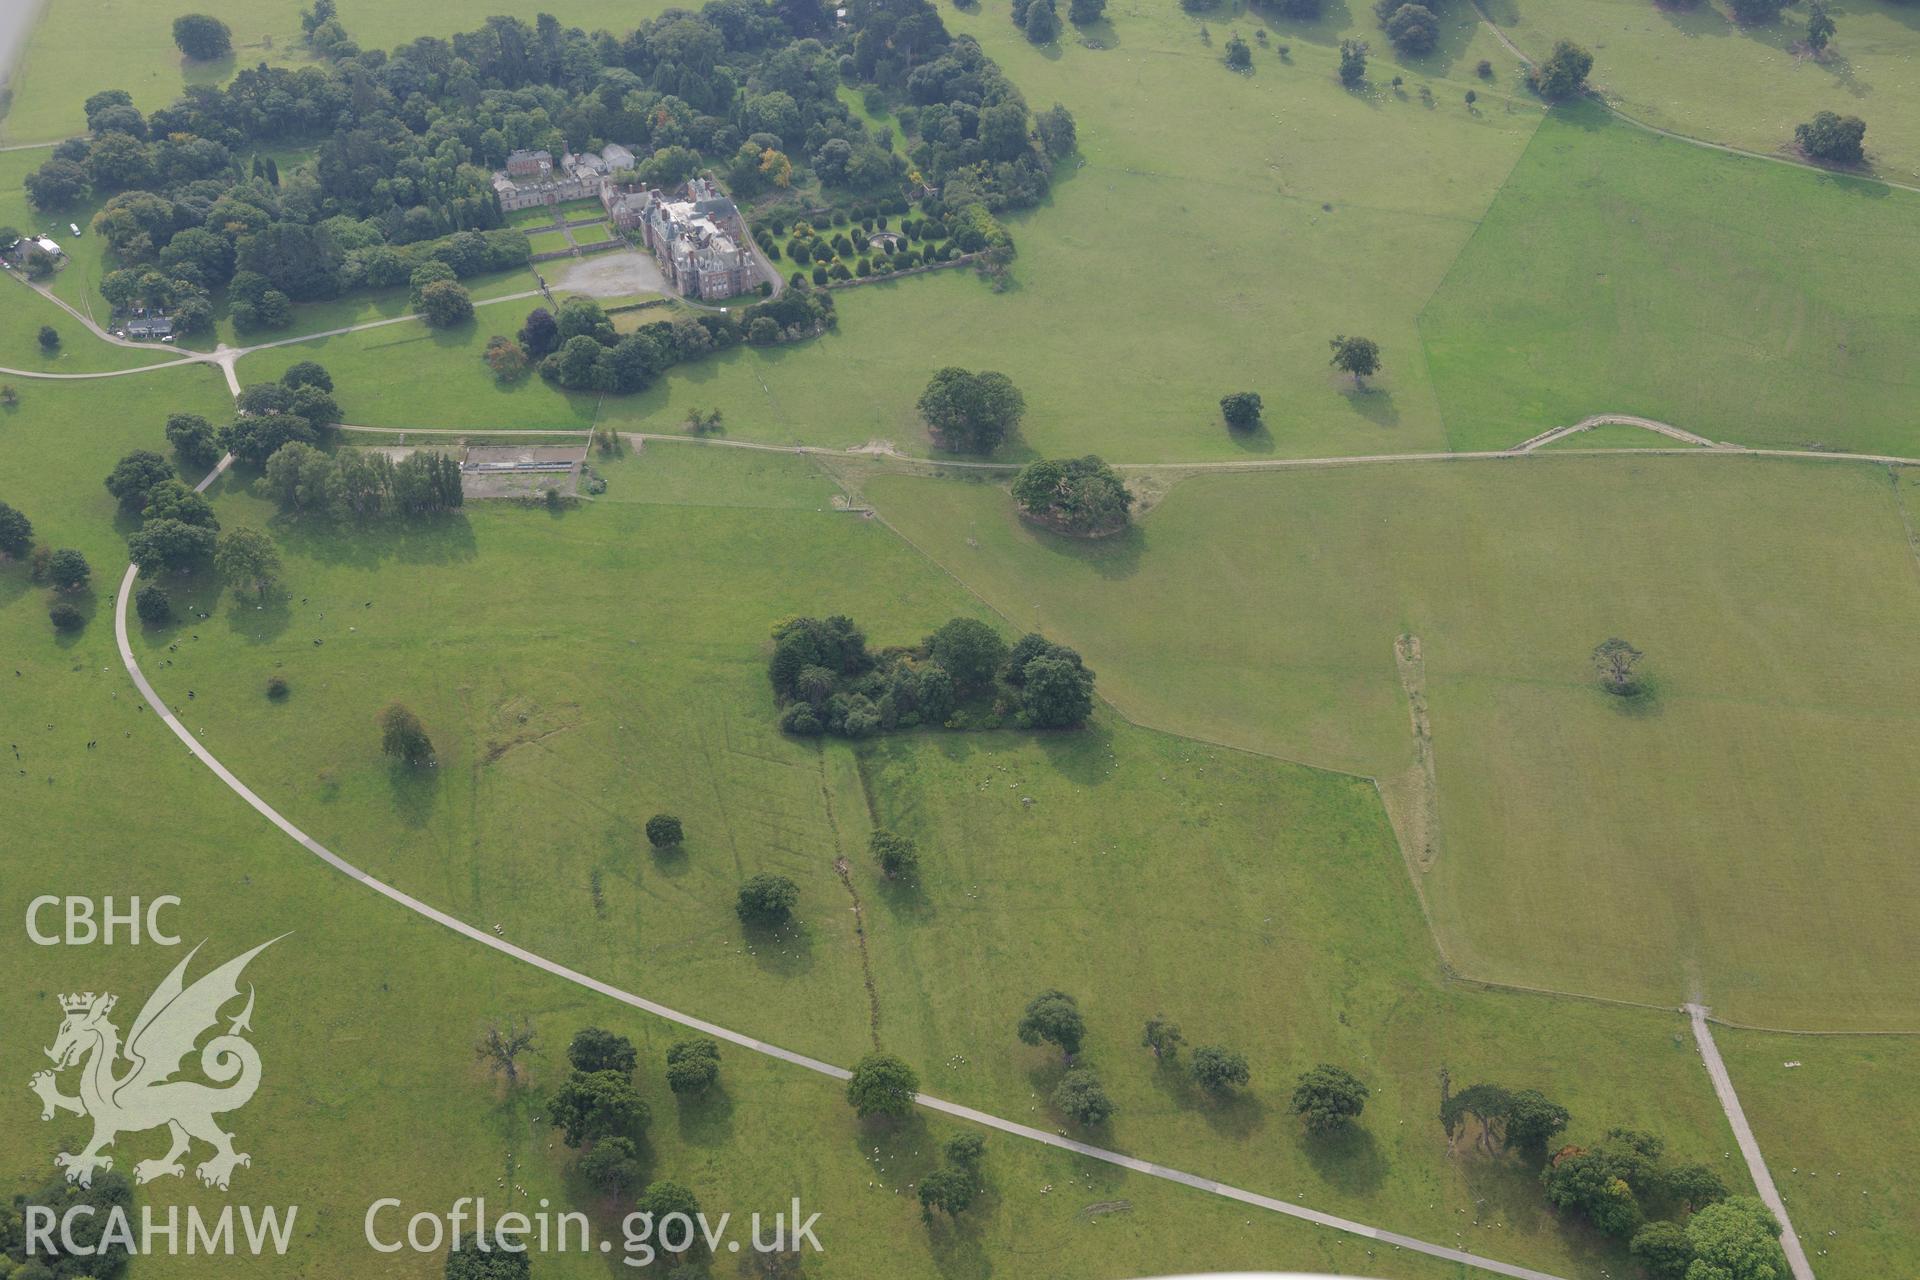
(404, 142)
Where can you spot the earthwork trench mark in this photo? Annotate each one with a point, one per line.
(844, 869)
(1421, 815)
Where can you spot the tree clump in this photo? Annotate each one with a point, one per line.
(1832, 138)
(898, 855)
(963, 676)
(766, 901)
(1082, 496)
(969, 412)
(1053, 1017)
(1413, 28)
(1564, 73)
(1353, 63)
(202, 37)
(664, 831)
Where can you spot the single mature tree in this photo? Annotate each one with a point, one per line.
(971, 412)
(68, 570)
(1615, 660)
(1082, 12)
(9, 396)
(502, 1044)
(1218, 1069)
(1057, 133)
(766, 901)
(970, 650)
(693, 1065)
(1239, 55)
(541, 334)
(1412, 28)
(169, 546)
(56, 184)
(202, 36)
(1833, 138)
(612, 1167)
(951, 1191)
(65, 617)
(665, 1198)
(898, 856)
(1695, 1186)
(16, 533)
(194, 439)
(597, 1049)
(593, 1105)
(1736, 1239)
(882, 1085)
(403, 737)
(1533, 1120)
(1353, 63)
(307, 373)
(247, 557)
(1080, 1097)
(1355, 355)
(49, 339)
(134, 477)
(1241, 409)
(1563, 74)
(446, 303)
(1053, 1017)
(1057, 692)
(664, 831)
(1328, 1098)
(1043, 22)
(1820, 27)
(154, 605)
(1162, 1035)
(506, 358)
(1663, 1250)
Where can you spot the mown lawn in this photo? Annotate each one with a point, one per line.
(366, 1015)
(580, 671)
(1621, 271)
(1735, 835)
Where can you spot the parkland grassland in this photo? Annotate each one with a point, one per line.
(1352, 794)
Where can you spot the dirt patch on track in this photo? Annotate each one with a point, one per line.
(1417, 797)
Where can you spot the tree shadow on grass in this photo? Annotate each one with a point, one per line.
(1254, 439)
(785, 952)
(1505, 1190)
(1348, 1159)
(259, 619)
(1079, 755)
(906, 900)
(1235, 1113)
(1642, 703)
(706, 1120)
(415, 792)
(1114, 556)
(445, 539)
(1374, 403)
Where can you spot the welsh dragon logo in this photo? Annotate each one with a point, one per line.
(145, 1094)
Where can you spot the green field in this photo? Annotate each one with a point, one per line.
(595, 233)
(1694, 70)
(1619, 271)
(549, 241)
(548, 765)
(1770, 598)
(1840, 1139)
(367, 1056)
